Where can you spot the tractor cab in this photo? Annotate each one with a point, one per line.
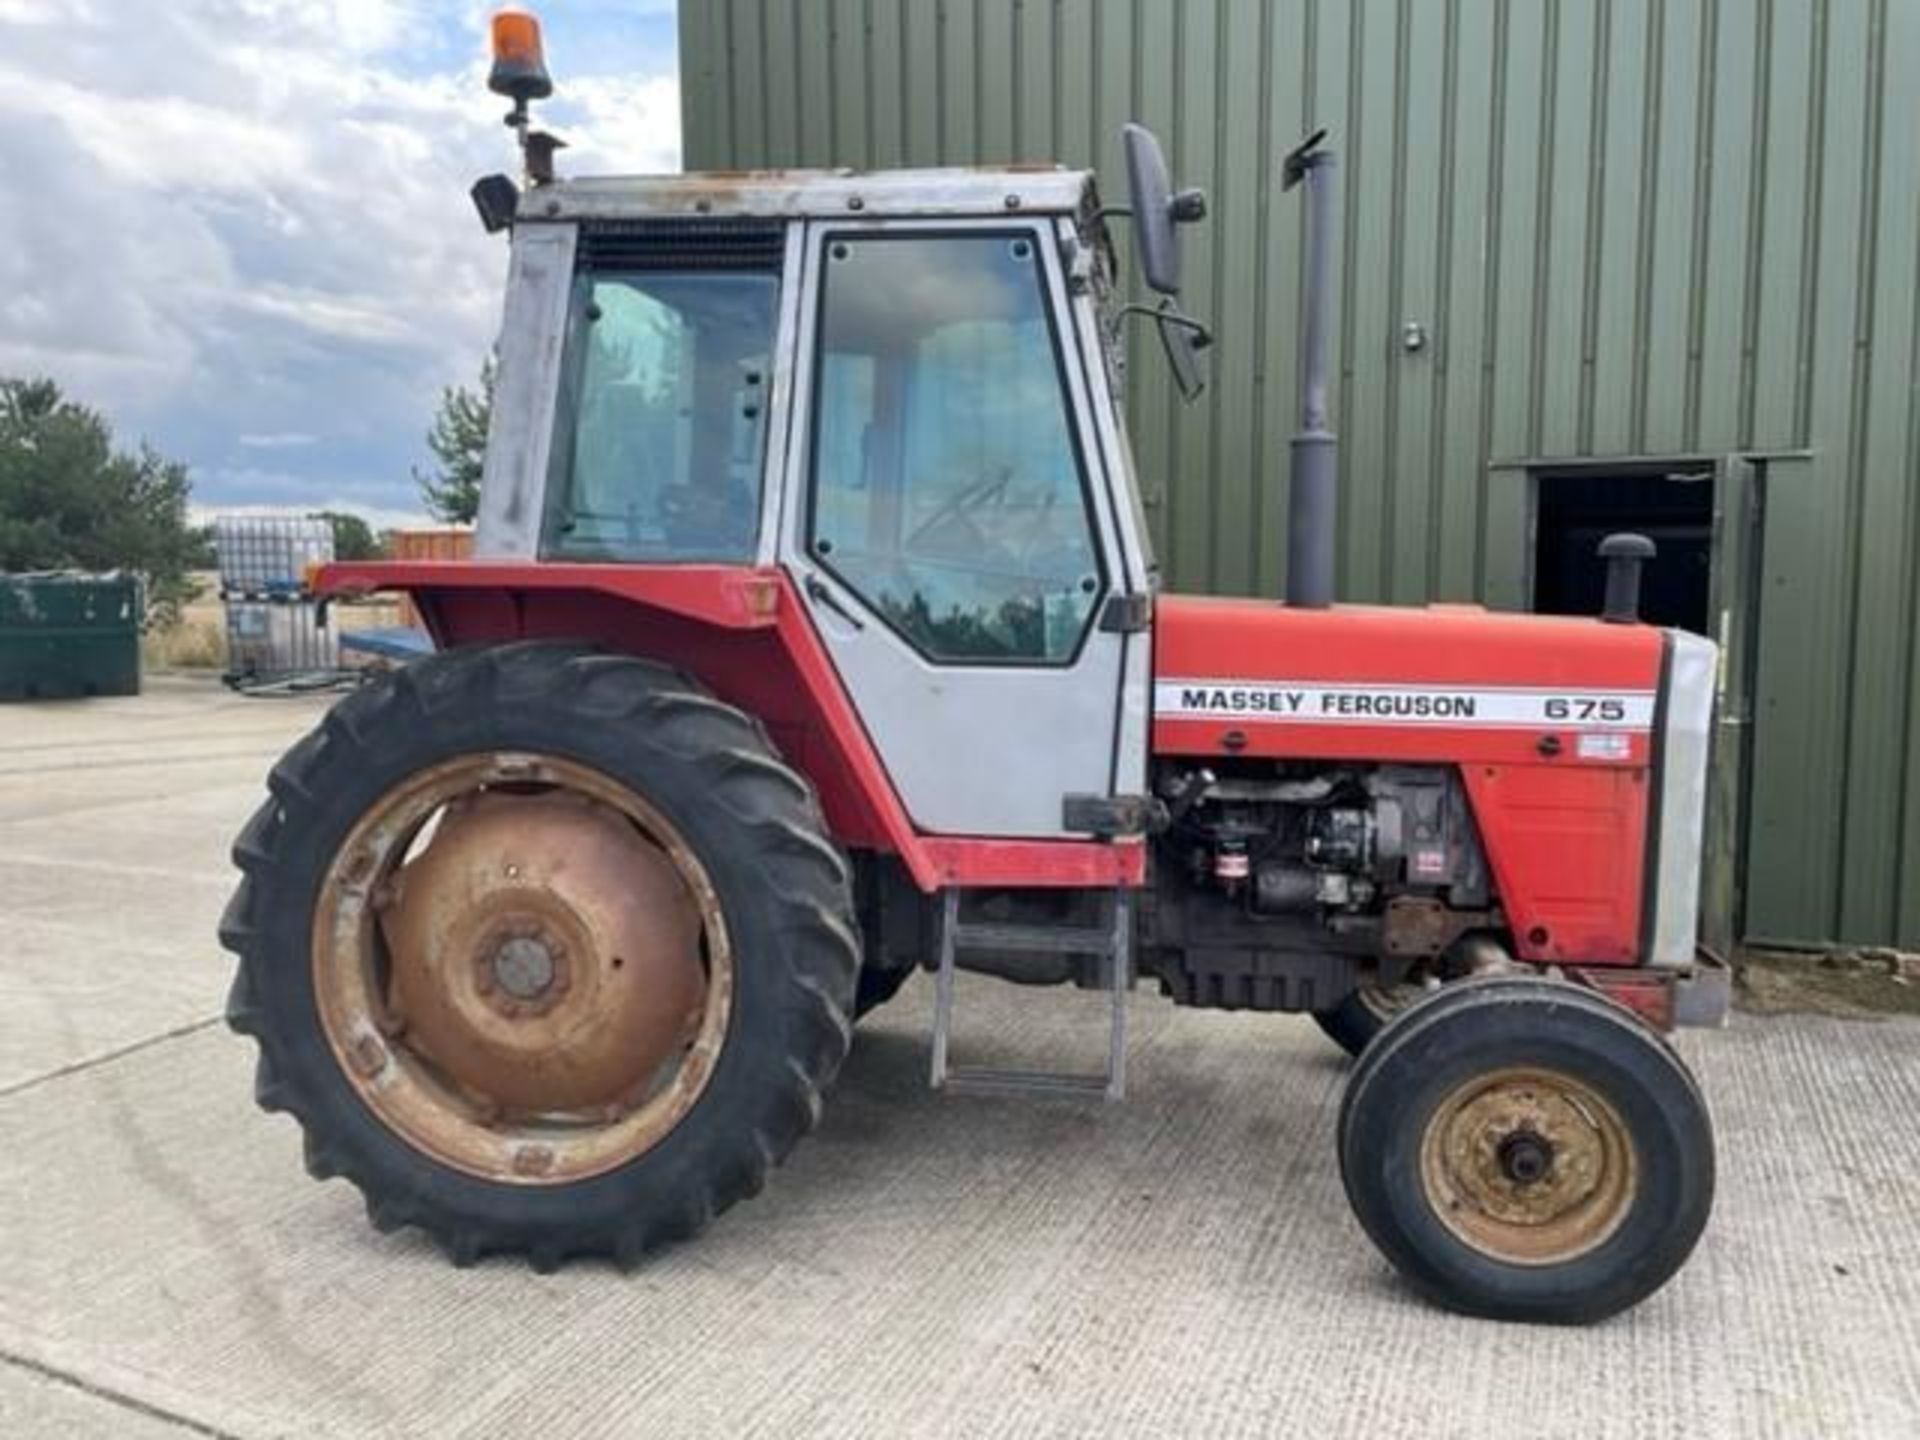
(898, 390)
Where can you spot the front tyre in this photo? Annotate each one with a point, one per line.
(545, 949)
(1523, 1149)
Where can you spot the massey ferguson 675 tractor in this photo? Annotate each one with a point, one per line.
(813, 637)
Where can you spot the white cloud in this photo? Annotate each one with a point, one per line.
(40, 12)
(625, 126)
(285, 440)
(235, 221)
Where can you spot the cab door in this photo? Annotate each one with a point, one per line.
(950, 526)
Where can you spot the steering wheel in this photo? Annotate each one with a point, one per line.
(971, 498)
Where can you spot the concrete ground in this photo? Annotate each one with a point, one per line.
(1180, 1265)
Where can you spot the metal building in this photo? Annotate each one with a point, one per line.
(1646, 264)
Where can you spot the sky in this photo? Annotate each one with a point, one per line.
(240, 228)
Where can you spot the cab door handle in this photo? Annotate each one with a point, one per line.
(821, 595)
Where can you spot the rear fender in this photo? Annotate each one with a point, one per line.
(742, 633)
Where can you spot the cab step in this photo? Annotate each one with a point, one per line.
(1113, 942)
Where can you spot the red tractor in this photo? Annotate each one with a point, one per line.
(813, 637)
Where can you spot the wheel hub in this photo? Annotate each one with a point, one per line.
(523, 967)
(1525, 1158)
(1528, 1166)
(544, 955)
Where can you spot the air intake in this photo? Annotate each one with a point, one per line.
(681, 245)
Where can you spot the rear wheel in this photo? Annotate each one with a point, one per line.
(877, 987)
(545, 949)
(1525, 1150)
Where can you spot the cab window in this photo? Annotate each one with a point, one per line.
(662, 419)
(947, 489)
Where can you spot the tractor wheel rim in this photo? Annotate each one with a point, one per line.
(1529, 1166)
(522, 968)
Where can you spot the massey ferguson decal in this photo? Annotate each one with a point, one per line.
(1303, 702)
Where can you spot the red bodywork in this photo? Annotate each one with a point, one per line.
(1565, 833)
(744, 633)
(1562, 805)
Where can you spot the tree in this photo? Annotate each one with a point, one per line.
(459, 444)
(70, 501)
(353, 538)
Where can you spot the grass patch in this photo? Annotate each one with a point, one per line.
(193, 642)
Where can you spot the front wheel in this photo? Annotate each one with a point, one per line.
(1523, 1149)
(545, 949)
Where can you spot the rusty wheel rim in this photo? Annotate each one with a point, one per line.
(1529, 1166)
(522, 968)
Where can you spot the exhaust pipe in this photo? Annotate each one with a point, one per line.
(1311, 501)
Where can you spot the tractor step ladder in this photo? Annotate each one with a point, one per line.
(1114, 942)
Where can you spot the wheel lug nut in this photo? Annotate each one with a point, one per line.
(532, 1160)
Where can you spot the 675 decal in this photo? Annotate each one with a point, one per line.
(1587, 709)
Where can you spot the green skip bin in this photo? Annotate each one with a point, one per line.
(64, 635)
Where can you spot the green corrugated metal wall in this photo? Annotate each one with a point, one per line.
(1630, 227)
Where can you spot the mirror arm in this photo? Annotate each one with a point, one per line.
(1165, 314)
(1188, 207)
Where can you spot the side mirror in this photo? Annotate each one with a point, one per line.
(1157, 210)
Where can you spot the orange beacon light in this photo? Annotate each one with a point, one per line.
(519, 58)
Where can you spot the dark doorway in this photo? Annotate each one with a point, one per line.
(1576, 511)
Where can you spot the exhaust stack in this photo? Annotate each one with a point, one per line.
(1312, 500)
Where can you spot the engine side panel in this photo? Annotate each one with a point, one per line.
(1568, 852)
(1550, 723)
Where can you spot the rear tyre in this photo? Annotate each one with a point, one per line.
(876, 988)
(545, 949)
(1522, 1149)
(1364, 1013)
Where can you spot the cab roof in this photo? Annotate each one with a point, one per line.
(819, 194)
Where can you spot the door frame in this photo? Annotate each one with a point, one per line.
(1739, 517)
(828, 598)
(1733, 604)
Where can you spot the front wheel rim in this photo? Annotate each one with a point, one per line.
(1529, 1166)
(522, 968)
